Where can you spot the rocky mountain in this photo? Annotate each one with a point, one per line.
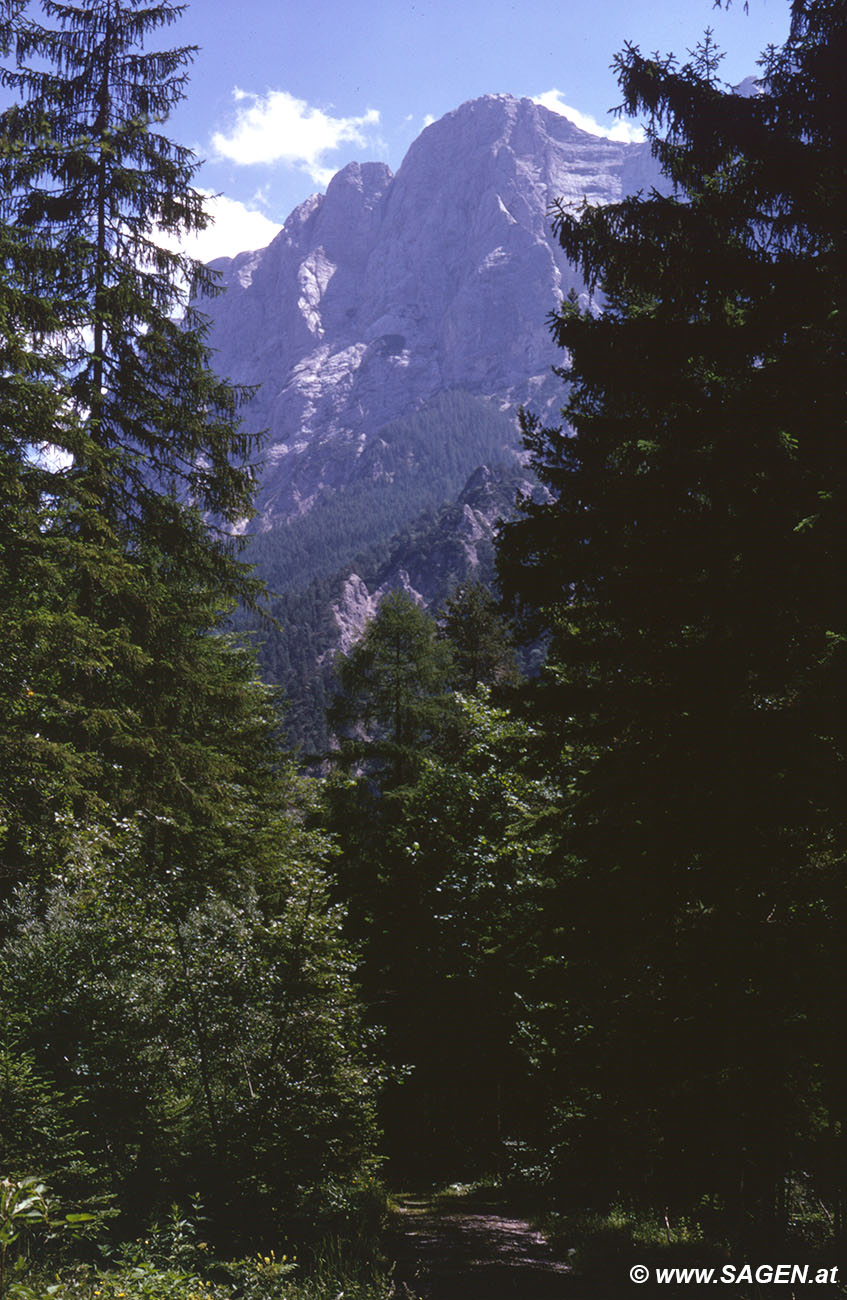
(429, 564)
(389, 290)
(392, 328)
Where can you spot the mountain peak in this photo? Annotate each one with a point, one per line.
(370, 179)
(390, 289)
(500, 116)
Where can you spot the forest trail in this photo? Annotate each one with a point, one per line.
(466, 1248)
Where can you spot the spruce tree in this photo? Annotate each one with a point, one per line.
(691, 566)
(479, 639)
(126, 466)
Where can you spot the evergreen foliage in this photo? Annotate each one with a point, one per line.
(119, 438)
(430, 801)
(446, 879)
(481, 644)
(601, 941)
(407, 470)
(176, 1004)
(295, 650)
(690, 567)
(393, 684)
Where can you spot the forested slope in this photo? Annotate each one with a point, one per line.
(299, 633)
(408, 467)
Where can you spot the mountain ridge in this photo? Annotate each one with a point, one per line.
(392, 288)
(393, 327)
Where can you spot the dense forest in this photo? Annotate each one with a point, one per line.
(413, 467)
(577, 934)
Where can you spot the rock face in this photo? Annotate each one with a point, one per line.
(390, 289)
(458, 546)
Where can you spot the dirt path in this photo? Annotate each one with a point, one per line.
(464, 1248)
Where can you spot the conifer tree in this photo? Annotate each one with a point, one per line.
(690, 564)
(393, 685)
(119, 556)
(478, 638)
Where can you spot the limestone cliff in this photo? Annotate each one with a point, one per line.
(390, 289)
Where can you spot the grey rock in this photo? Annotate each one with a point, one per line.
(458, 547)
(390, 289)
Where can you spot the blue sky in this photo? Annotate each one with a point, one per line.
(285, 92)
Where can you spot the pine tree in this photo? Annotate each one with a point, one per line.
(126, 467)
(691, 567)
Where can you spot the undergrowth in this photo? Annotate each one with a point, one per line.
(43, 1258)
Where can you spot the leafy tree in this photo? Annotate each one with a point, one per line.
(440, 891)
(208, 1047)
(452, 949)
(690, 566)
(390, 709)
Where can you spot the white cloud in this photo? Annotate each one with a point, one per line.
(48, 456)
(428, 120)
(620, 128)
(235, 228)
(276, 127)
